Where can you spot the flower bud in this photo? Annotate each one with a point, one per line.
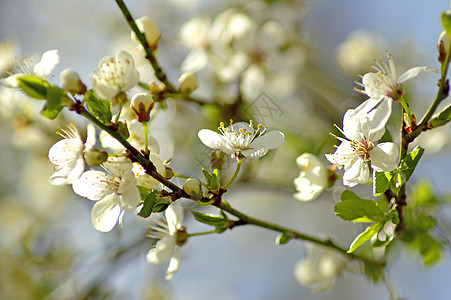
(188, 83)
(142, 104)
(181, 237)
(217, 158)
(443, 45)
(70, 81)
(193, 188)
(123, 129)
(150, 29)
(168, 173)
(94, 157)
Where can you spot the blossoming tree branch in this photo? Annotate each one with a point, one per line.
(127, 176)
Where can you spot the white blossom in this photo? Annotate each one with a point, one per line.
(242, 138)
(166, 247)
(115, 192)
(67, 154)
(114, 75)
(41, 69)
(384, 83)
(145, 179)
(320, 269)
(362, 127)
(313, 178)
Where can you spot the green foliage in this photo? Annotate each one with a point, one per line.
(373, 270)
(33, 86)
(101, 109)
(441, 119)
(161, 203)
(395, 179)
(283, 238)
(445, 18)
(220, 222)
(149, 200)
(53, 107)
(212, 180)
(362, 238)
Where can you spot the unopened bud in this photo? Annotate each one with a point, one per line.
(443, 45)
(217, 158)
(94, 157)
(142, 104)
(181, 237)
(70, 81)
(188, 83)
(193, 188)
(122, 128)
(150, 29)
(168, 173)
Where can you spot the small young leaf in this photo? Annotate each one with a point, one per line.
(366, 236)
(53, 107)
(283, 238)
(161, 203)
(149, 203)
(408, 164)
(101, 109)
(445, 17)
(33, 86)
(355, 209)
(381, 182)
(441, 119)
(218, 221)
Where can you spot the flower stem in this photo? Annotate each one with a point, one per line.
(116, 119)
(406, 108)
(237, 170)
(146, 138)
(201, 233)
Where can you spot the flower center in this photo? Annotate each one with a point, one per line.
(241, 135)
(362, 148)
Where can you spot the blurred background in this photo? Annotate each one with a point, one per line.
(289, 64)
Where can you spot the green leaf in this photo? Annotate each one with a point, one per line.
(212, 180)
(101, 109)
(366, 235)
(283, 238)
(373, 270)
(355, 209)
(143, 192)
(408, 164)
(430, 249)
(149, 203)
(33, 86)
(445, 18)
(161, 204)
(441, 119)
(381, 182)
(213, 220)
(53, 107)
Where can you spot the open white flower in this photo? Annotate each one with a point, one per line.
(319, 270)
(242, 138)
(41, 69)
(313, 178)
(362, 127)
(115, 74)
(166, 247)
(145, 179)
(67, 154)
(384, 83)
(115, 192)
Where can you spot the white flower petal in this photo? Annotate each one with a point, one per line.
(270, 140)
(413, 72)
(47, 63)
(356, 172)
(130, 199)
(384, 157)
(255, 153)
(215, 140)
(92, 185)
(174, 215)
(162, 251)
(90, 136)
(195, 61)
(104, 213)
(174, 264)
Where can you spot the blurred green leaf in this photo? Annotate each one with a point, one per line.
(366, 235)
(355, 209)
(53, 106)
(283, 238)
(33, 86)
(213, 220)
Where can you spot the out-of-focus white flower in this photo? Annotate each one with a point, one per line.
(313, 178)
(362, 127)
(7, 57)
(384, 83)
(358, 48)
(320, 269)
(115, 74)
(166, 247)
(150, 29)
(41, 69)
(115, 192)
(188, 82)
(242, 138)
(67, 154)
